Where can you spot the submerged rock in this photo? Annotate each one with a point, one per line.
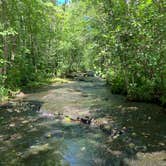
(141, 148)
(55, 133)
(131, 145)
(36, 149)
(84, 95)
(47, 115)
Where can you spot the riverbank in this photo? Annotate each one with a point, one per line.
(12, 95)
(140, 90)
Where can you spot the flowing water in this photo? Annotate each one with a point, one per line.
(38, 130)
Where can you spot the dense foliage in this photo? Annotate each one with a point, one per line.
(123, 41)
(134, 33)
(29, 35)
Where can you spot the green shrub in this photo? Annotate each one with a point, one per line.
(143, 92)
(163, 100)
(116, 82)
(3, 93)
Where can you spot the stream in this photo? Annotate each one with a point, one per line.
(81, 123)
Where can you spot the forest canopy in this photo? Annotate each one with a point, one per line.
(122, 41)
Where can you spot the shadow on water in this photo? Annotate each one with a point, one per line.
(26, 138)
(145, 130)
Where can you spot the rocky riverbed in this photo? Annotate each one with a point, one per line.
(81, 123)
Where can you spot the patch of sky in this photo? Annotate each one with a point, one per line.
(61, 2)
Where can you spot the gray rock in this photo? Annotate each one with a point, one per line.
(90, 73)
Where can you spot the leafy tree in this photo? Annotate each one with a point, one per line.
(124, 41)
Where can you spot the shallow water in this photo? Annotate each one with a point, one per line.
(30, 135)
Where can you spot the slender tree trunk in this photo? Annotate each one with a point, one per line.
(5, 44)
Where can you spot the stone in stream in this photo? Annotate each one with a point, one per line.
(10, 110)
(73, 75)
(81, 78)
(5, 137)
(90, 74)
(141, 148)
(75, 119)
(85, 120)
(55, 133)
(106, 128)
(84, 95)
(12, 125)
(20, 95)
(46, 115)
(110, 129)
(131, 145)
(58, 114)
(35, 150)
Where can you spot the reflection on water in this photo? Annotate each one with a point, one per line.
(33, 131)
